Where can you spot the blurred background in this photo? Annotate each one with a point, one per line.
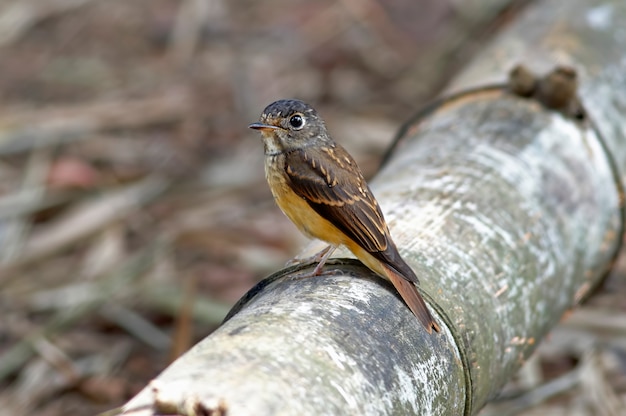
(133, 207)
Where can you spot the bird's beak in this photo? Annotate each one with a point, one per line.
(262, 127)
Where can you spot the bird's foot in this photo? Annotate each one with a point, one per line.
(319, 258)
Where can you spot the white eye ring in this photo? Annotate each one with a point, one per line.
(297, 121)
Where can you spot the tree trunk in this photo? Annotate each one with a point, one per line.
(508, 212)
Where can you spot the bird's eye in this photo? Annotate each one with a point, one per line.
(297, 122)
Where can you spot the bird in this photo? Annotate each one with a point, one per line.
(320, 188)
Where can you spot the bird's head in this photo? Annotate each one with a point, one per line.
(290, 124)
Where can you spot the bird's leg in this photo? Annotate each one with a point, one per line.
(319, 258)
(325, 254)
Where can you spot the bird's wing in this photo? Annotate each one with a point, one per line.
(341, 196)
(330, 181)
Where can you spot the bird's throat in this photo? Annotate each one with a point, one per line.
(272, 144)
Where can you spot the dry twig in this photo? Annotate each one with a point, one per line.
(84, 220)
(22, 131)
(17, 17)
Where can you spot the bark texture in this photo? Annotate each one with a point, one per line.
(508, 213)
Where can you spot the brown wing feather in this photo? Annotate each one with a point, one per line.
(341, 196)
(338, 194)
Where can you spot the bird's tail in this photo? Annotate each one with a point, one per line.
(413, 299)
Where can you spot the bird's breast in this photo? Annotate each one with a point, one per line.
(296, 208)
